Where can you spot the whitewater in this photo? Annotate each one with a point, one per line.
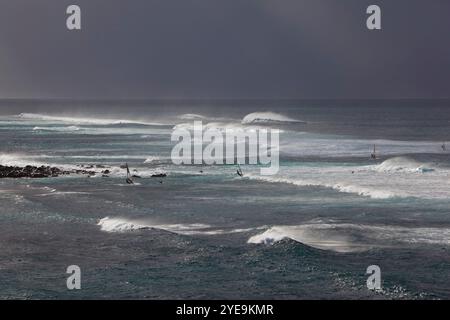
(328, 213)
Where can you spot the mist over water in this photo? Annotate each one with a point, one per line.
(309, 231)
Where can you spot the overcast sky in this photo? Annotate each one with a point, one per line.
(224, 49)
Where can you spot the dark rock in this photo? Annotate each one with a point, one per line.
(159, 175)
(37, 172)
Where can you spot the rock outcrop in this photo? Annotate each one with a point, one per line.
(37, 172)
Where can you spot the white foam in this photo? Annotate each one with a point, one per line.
(404, 164)
(119, 225)
(63, 193)
(268, 117)
(82, 120)
(221, 126)
(151, 159)
(375, 192)
(51, 190)
(303, 144)
(126, 225)
(22, 160)
(100, 156)
(347, 237)
(313, 237)
(191, 116)
(383, 181)
(19, 160)
(63, 129)
(122, 224)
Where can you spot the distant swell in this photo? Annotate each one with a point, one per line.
(191, 116)
(268, 117)
(69, 128)
(82, 120)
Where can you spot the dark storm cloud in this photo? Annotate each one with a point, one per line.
(224, 49)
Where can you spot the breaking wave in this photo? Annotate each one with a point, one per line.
(347, 237)
(83, 120)
(19, 160)
(123, 225)
(69, 128)
(366, 191)
(267, 118)
(404, 164)
(191, 116)
(152, 159)
(108, 224)
(22, 160)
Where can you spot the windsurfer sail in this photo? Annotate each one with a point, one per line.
(129, 179)
(374, 153)
(239, 171)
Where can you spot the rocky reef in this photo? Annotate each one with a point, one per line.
(38, 172)
(50, 172)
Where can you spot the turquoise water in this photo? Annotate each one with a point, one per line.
(308, 232)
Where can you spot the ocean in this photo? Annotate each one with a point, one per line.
(308, 232)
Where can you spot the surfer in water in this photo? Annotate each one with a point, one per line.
(443, 147)
(373, 155)
(239, 171)
(128, 180)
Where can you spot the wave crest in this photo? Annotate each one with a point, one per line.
(313, 236)
(404, 164)
(346, 237)
(83, 120)
(268, 117)
(366, 191)
(191, 116)
(123, 225)
(69, 128)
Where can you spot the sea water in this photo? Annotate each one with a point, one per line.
(310, 231)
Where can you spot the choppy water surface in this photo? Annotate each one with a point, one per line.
(308, 232)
